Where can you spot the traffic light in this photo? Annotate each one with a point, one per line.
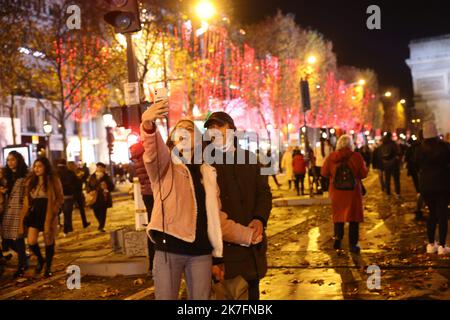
(123, 15)
(304, 90)
(110, 139)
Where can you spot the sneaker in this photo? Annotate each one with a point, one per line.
(443, 250)
(432, 248)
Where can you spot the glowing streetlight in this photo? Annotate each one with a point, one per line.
(332, 131)
(362, 82)
(352, 132)
(205, 10)
(312, 59)
(324, 135)
(388, 94)
(403, 101)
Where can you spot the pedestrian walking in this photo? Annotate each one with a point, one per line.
(271, 165)
(137, 152)
(246, 198)
(346, 169)
(13, 235)
(413, 172)
(3, 189)
(286, 165)
(69, 182)
(390, 159)
(433, 163)
(43, 201)
(100, 187)
(78, 195)
(378, 165)
(187, 225)
(299, 168)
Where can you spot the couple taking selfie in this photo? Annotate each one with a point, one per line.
(208, 220)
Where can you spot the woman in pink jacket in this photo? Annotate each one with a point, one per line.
(187, 224)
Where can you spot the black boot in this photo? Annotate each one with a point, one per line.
(337, 244)
(20, 272)
(49, 252)
(37, 252)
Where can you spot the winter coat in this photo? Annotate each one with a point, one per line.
(54, 205)
(286, 165)
(299, 164)
(104, 199)
(347, 205)
(433, 162)
(245, 196)
(376, 159)
(180, 204)
(137, 152)
(13, 205)
(69, 180)
(390, 154)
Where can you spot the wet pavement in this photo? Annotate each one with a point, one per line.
(302, 262)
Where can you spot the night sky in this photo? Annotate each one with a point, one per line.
(344, 23)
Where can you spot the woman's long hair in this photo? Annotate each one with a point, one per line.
(21, 171)
(48, 174)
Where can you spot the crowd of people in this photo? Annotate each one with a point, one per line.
(35, 200)
(207, 220)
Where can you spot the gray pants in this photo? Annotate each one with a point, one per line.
(167, 275)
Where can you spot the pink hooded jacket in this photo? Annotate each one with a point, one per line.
(180, 206)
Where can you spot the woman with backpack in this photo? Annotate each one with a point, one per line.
(346, 168)
(299, 168)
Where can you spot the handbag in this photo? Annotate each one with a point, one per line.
(231, 289)
(91, 198)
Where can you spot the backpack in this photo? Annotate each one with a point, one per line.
(344, 178)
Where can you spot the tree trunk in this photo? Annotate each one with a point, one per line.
(12, 115)
(80, 137)
(64, 135)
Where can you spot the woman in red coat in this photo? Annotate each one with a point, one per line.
(347, 205)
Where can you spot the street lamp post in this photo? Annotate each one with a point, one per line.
(48, 128)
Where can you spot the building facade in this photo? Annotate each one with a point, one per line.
(430, 68)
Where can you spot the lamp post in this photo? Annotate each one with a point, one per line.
(109, 126)
(48, 128)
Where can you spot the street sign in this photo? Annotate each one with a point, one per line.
(131, 91)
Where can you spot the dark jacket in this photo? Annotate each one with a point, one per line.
(69, 180)
(245, 195)
(137, 152)
(433, 161)
(389, 154)
(376, 159)
(104, 200)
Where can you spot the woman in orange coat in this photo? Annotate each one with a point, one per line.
(347, 205)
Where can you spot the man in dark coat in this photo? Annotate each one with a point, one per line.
(390, 159)
(413, 172)
(433, 163)
(69, 182)
(377, 165)
(246, 198)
